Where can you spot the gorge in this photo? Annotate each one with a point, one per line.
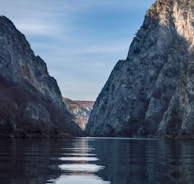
(149, 94)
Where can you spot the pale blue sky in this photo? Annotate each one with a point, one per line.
(80, 40)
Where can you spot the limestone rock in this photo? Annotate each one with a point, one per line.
(31, 102)
(152, 91)
(37, 112)
(18, 62)
(81, 111)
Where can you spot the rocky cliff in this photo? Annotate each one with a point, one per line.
(152, 91)
(81, 111)
(31, 102)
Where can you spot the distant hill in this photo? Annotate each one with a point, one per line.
(85, 104)
(80, 109)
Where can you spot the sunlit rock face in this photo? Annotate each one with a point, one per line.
(81, 111)
(31, 102)
(152, 91)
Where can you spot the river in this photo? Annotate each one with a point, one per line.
(96, 161)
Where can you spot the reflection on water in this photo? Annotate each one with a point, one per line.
(80, 179)
(96, 161)
(146, 161)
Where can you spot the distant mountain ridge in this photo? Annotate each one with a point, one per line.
(151, 93)
(85, 104)
(31, 101)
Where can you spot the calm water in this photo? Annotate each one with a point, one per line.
(96, 161)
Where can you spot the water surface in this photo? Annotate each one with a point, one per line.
(96, 161)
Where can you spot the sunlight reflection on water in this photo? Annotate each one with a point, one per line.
(78, 158)
(79, 164)
(81, 179)
(90, 168)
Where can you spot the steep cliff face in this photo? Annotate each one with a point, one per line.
(19, 64)
(31, 102)
(152, 91)
(81, 111)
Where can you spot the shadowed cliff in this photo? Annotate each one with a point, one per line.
(31, 102)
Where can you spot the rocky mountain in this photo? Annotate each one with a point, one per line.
(81, 111)
(151, 93)
(31, 102)
(88, 105)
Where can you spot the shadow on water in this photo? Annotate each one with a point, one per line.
(96, 161)
(26, 161)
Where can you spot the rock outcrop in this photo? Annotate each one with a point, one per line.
(81, 111)
(31, 102)
(151, 93)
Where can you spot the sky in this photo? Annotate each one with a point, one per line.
(80, 40)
